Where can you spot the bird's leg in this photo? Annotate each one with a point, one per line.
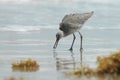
(81, 37)
(71, 48)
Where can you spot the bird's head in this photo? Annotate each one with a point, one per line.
(59, 35)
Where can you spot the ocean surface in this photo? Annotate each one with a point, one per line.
(28, 28)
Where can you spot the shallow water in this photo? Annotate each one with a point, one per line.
(27, 30)
(53, 63)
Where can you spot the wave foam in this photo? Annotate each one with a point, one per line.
(24, 28)
(18, 28)
(101, 27)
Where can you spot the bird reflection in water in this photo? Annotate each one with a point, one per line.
(81, 52)
(64, 64)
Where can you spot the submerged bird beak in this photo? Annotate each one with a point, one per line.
(56, 43)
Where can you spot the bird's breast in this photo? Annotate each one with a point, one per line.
(70, 32)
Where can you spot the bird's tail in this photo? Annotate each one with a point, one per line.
(92, 12)
(86, 16)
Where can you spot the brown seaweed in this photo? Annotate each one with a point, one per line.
(25, 66)
(109, 66)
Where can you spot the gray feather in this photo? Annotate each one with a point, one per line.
(73, 22)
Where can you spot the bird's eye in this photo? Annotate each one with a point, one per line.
(56, 36)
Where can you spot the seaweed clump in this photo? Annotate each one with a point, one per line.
(84, 71)
(25, 65)
(109, 65)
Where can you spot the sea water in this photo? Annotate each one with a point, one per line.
(28, 28)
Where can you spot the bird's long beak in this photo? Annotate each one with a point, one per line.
(56, 43)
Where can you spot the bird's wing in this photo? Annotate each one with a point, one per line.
(77, 18)
(65, 17)
(73, 22)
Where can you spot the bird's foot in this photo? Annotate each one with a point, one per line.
(71, 49)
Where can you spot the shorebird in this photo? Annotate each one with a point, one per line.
(70, 24)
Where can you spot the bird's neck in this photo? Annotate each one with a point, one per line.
(62, 33)
(65, 34)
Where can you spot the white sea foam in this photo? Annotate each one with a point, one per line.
(25, 28)
(19, 28)
(101, 27)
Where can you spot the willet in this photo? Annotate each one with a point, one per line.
(70, 24)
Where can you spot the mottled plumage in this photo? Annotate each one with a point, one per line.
(70, 24)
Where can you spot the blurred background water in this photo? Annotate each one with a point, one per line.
(28, 28)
